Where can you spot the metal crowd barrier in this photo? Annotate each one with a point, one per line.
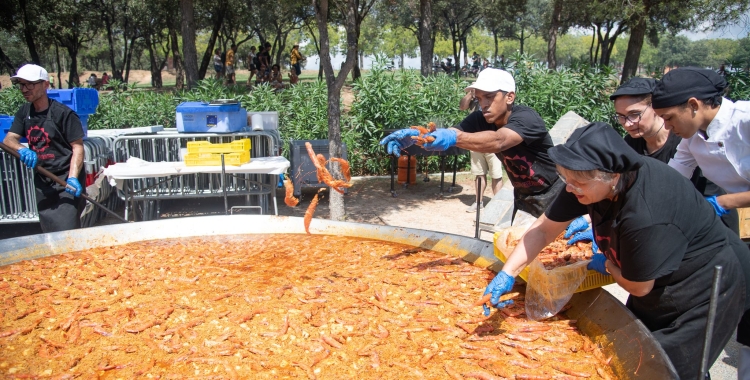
(17, 198)
(169, 145)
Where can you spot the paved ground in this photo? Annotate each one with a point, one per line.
(421, 205)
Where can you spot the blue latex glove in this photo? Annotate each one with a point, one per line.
(587, 235)
(444, 139)
(501, 284)
(577, 225)
(597, 264)
(73, 182)
(720, 211)
(28, 157)
(399, 140)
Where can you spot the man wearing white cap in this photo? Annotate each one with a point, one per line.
(515, 133)
(55, 136)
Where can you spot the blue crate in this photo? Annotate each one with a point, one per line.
(202, 117)
(85, 125)
(82, 100)
(5, 123)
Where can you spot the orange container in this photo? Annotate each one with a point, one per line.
(407, 164)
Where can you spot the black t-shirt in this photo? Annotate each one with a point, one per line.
(49, 139)
(666, 152)
(529, 167)
(264, 58)
(658, 223)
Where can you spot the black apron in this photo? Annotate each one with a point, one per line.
(536, 204)
(58, 210)
(676, 309)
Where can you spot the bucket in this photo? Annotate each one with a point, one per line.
(407, 165)
(257, 122)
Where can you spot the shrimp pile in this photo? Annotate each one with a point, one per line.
(422, 139)
(324, 176)
(258, 307)
(558, 253)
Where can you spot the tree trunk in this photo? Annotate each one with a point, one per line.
(28, 34)
(177, 61)
(591, 48)
(7, 62)
(494, 36)
(522, 41)
(154, 67)
(356, 73)
(57, 56)
(73, 80)
(111, 41)
(189, 53)
(209, 52)
(633, 54)
(334, 85)
(128, 57)
(426, 43)
(552, 35)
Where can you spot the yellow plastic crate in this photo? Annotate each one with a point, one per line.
(593, 278)
(213, 159)
(237, 146)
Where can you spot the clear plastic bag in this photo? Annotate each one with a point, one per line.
(547, 291)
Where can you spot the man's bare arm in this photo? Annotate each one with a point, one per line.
(488, 141)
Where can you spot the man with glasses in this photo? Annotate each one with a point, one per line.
(515, 133)
(55, 138)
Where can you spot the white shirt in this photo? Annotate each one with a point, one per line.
(724, 157)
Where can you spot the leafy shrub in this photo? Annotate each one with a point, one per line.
(126, 107)
(11, 100)
(739, 84)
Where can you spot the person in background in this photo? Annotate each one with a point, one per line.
(252, 63)
(294, 58)
(482, 163)
(660, 241)
(218, 64)
(229, 65)
(105, 79)
(52, 80)
(515, 133)
(91, 81)
(275, 77)
(715, 136)
(55, 136)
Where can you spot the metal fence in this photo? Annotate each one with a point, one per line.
(169, 146)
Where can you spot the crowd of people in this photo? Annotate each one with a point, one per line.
(258, 63)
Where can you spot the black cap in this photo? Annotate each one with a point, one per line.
(679, 85)
(596, 146)
(634, 87)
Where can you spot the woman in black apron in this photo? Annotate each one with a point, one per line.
(660, 239)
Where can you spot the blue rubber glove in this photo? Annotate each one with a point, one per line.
(597, 264)
(28, 157)
(73, 182)
(501, 284)
(444, 139)
(587, 235)
(399, 140)
(720, 211)
(577, 225)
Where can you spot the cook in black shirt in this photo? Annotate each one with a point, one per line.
(55, 137)
(515, 133)
(647, 135)
(659, 237)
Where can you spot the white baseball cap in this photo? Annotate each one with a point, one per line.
(31, 73)
(490, 80)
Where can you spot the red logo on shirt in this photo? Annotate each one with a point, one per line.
(39, 142)
(610, 253)
(520, 167)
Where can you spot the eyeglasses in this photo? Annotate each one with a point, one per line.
(634, 117)
(28, 85)
(576, 189)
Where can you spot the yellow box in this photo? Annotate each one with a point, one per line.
(214, 159)
(744, 222)
(593, 278)
(237, 146)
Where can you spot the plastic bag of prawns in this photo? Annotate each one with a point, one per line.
(547, 291)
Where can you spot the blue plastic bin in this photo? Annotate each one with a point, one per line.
(82, 100)
(202, 117)
(5, 123)
(85, 125)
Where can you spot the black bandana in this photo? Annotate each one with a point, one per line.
(679, 85)
(596, 146)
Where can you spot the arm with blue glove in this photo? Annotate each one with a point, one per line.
(501, 284)
(720, 211)
(399, 140)
(73, 187)
(444, 139)
(577, 225)
(28, 157)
